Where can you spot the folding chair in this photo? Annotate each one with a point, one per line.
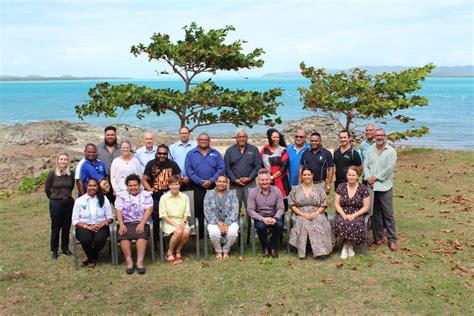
(151, 244)
(111, 242)
(193, 224)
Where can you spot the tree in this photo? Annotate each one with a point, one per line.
(200, 104)
(352, 96)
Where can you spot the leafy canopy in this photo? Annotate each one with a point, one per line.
(352, 96)
(201, 104)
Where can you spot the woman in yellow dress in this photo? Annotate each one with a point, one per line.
(175, 212)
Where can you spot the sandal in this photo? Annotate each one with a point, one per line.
(225, 256)
(91, 265)
(178, 256)
(171, 259)
(219, 256)
(84, 263)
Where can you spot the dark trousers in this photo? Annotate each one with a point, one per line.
(92, 242)
(60, 212)
(277, 231)
(199, 193)
(383, 215)
(155, 216)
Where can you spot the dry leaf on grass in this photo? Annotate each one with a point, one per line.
(446, 230)
(327, 280)
(204, 265)
(268, 304)
(339, 265)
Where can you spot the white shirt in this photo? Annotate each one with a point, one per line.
(87, 210)
(120, 170)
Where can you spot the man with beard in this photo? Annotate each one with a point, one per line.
(155, 179)
(92, 168)
(379, 165)
(203, 165)
(107, 152)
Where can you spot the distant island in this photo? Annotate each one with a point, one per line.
(440, 72)
(65, 77)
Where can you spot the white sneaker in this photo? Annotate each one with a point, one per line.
(350, 251)
(344, 254)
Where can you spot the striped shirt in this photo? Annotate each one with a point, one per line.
(380, 164)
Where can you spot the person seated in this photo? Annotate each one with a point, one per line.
(352, 201)
(91, 216)
(265, 206)
(308, 201)
(175, 212)
(133, 208)
(221, 209)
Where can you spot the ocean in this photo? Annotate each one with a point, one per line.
(449, 115)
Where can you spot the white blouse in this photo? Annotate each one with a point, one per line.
(87, 210)
(120, 170)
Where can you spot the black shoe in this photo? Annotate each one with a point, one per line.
(266, 254)
(274, 253)
(67, 252)
(141, 270)
(130, 270)
(54, 255)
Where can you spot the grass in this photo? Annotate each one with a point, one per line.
(432, 273)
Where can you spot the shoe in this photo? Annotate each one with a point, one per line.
(67, 252)
(141, 270)
(91, 265)
(84, 263)
(392, 246)
(130, 270)
(274, 253)
(225, 256)
(266, 254)
(344, 254)
(379, 242)
(54, 255)
(350, 251)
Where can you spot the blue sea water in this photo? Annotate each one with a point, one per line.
(449, 115)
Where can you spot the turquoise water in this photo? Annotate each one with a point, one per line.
(449, 114)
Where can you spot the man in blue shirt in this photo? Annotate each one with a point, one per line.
(178, 152)
(147, 152)
(92, 168)
(320, 161)
(203, 165)
(295, 151)
(369, 140)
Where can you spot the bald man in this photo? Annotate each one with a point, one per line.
(147, 152)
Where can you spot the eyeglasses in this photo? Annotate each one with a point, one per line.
(383, 135)
(162, 154)
(298, 136)
(203, 140)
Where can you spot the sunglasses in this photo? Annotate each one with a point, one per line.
(298, 136)
(162, 154)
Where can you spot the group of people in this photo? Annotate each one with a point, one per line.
(148, 186)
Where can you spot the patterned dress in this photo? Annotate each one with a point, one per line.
(317, 230)
(277, 161)
(352, 231)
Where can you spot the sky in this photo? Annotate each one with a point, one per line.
(93, 38)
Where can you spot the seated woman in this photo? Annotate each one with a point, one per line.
(308, 201)
(175, 211)
(91, 216)
(221, 208)
(133, 208)
(352, 202)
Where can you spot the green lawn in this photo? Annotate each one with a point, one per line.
(432, 273)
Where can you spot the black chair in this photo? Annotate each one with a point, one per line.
(111, 241)
(193, 224)
(151, 244)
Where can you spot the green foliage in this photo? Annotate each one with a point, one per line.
(29, 184)
(358, 96)
(205, 103)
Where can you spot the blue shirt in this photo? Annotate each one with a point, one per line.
(90, 171)
(364, 146)
(178, 152)
(295, 158)
(144, 156)
(318, 162)
(200, 168)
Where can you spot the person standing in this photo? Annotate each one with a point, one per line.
(203, 165)
(155, 179)
(107, 152)
(368, 141)
(122, 167)
(58, 189)
(92, 168)
(242, 162)
(344, 157)
(178, 152)
(319, 161)
(295, 151)
(379, 165)
(147, 152)
(266, 207)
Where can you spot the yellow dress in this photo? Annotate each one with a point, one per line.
(176, 208)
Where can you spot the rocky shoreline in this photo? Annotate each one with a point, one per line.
(30, 149)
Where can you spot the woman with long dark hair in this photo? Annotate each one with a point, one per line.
(91, 216)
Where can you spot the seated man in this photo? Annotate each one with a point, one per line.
(265, 206)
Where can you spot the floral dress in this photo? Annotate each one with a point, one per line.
(352, 231)
(318, 230)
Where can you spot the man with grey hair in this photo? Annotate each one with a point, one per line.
(295, 151)
(242, 162)
(379, 165)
